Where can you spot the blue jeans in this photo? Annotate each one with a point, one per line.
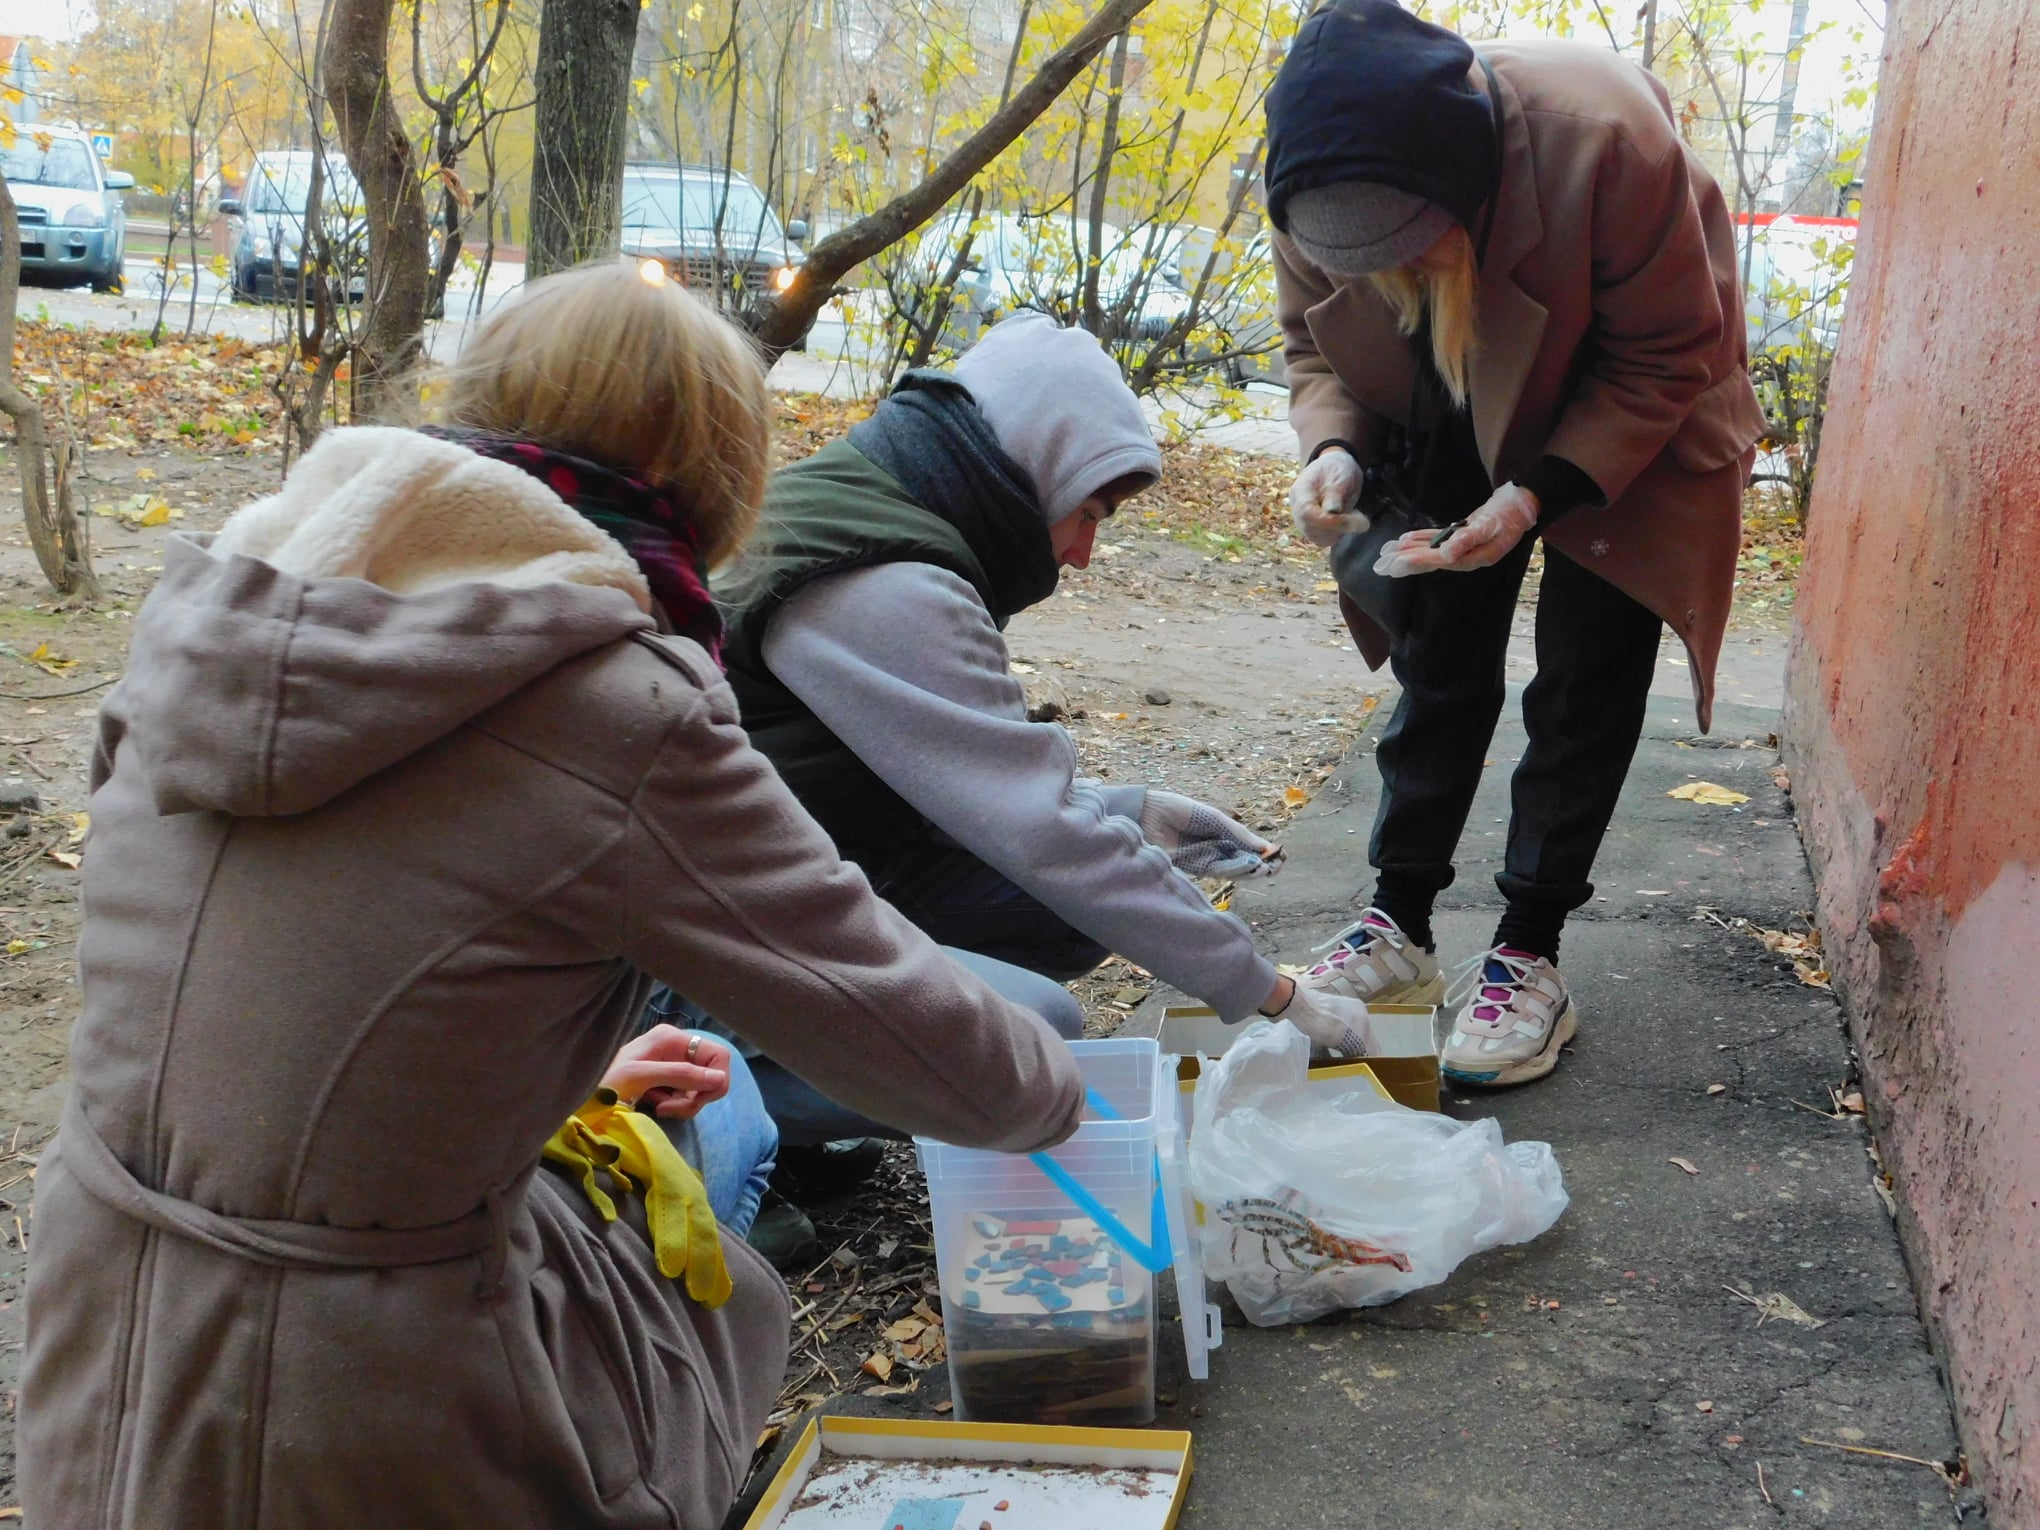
(732, 1144)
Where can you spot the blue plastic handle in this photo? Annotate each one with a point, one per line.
(1155, 1255)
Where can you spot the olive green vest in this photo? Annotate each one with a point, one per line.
(834, 511)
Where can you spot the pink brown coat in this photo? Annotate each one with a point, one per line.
(377, 883)
(1611, 334)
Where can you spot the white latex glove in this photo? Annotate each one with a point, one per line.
(1203, 842)
(1486, 538)
(1335, 1026)
(1321, 500)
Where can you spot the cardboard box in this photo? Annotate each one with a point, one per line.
(908, 1474)
(1406, 1069)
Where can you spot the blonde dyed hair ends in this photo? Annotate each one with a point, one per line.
(1445, 283)
(638, 375)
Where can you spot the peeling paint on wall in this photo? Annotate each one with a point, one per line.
(1913, 718)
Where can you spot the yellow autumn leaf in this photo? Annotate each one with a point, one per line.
(81, 824)
(50, 663)
(1707, 792)
(17, 946)
(1295, 797)
(157, 514)
(67, 858)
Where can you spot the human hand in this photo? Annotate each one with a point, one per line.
(1203, 842)
(1486, 538)
(1334, 1024)
(670, 1072)
(1321, 500)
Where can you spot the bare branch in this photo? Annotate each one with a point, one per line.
(787, 318)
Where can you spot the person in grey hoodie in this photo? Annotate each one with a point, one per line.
(866, 651)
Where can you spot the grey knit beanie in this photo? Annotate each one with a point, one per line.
(1352, 228)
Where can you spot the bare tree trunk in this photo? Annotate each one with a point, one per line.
(784, 320)
(357, 79)
(929, 335)
(1101, 185)
(54, 527)
(584, 60)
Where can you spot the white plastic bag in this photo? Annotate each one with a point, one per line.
(1320, 1198)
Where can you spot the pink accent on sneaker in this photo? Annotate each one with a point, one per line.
(1494, 997)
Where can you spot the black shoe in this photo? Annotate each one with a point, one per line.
(784, 1235)
(809, 1174)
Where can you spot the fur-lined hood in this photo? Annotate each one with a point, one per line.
(392, 590)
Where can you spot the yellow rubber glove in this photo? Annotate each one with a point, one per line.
(605, 1137)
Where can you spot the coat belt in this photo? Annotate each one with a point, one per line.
(283, 1245)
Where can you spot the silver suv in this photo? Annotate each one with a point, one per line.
(73, 224)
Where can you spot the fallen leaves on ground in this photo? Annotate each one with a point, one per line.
(1776, 1304)
(1800, 947)
(1773, 548)
(1708, 793)
(49, 661)
(142, 510)
(214, 393)
(1684, 1163)
(1802, 950)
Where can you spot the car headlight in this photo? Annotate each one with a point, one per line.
(85, 215)
(782, 279)
(260, 244)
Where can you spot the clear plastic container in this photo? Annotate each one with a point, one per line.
(1049, 1303)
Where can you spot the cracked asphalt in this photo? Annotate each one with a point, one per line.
(1607, 1377)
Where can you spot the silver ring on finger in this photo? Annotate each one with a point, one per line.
(693, 1045)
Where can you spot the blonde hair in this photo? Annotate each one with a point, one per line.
(1444, 283)
(636, 373)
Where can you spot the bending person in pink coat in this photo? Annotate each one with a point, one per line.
(1509, 304)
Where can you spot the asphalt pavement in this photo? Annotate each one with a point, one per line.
(1609, 1376)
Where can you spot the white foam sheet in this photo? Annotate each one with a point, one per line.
(862, 1493)
(853, 1474)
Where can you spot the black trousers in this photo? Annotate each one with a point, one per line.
(1596, 650)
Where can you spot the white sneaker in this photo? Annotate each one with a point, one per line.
(1374, 962)
(1517, 1014)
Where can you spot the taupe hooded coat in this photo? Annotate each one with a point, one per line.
(392, 829)
(1611, 334)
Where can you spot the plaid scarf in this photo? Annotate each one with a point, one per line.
(654, 528)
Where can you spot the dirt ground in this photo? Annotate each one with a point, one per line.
(1201, 651)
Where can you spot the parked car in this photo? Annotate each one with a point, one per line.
(1239, 332)
(711, 229)
(73, 224)
(1016, 261)
(1797, 276)
(269, 245)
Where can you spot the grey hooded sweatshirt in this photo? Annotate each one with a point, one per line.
(903, 663)
(398, 812)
